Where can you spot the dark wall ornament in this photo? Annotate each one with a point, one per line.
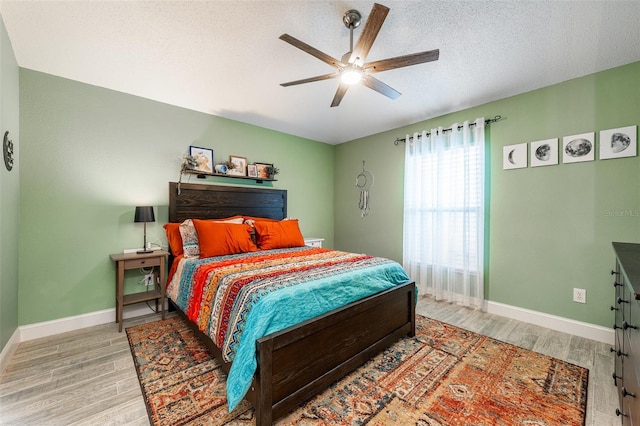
(7, 151)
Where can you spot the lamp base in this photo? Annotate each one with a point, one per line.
(144, 251)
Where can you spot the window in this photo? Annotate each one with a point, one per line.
(444, 212)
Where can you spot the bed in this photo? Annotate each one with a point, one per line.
(297, 362)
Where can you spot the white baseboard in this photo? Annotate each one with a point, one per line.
(50, 328)
(554, 322)
(9, 349)
(62, 325)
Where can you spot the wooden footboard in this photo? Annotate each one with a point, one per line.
(299, 362)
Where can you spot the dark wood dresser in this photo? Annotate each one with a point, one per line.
(627, 327)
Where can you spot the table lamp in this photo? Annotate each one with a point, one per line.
(144, 214)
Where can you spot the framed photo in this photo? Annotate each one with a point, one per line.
(618, 143)
(544, 153)
(514, 156)
(252, 170)
(262, 169)
(577, 148)
(203, 158)
(240, 168)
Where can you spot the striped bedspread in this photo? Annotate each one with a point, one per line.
(237, 299)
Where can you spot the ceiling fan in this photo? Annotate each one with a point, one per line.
(352, 68)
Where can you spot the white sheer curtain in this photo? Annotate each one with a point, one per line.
(444, 213)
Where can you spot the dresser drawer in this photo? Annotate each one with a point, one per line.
(632, 348)
(631, 418)
(629, 403)
(629, 385)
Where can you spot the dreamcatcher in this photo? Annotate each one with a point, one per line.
(364, 182)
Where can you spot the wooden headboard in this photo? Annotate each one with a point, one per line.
(203, 201)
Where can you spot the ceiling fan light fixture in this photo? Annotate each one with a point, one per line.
(351, 75)
(353, 68)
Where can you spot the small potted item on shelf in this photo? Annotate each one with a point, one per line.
(272, 171)
(188, 163)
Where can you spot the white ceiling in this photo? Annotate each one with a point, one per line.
(225, 58)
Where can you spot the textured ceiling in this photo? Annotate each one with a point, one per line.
(225, 58)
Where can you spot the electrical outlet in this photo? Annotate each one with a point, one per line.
(580, 295)
(148, 279)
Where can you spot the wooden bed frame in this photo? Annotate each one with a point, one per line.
(297, 363)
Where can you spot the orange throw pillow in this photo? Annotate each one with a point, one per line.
(283, 234)
(219, 239)
(173, 237)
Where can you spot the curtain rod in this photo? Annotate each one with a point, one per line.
(487, 121)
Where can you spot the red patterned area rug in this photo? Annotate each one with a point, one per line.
(442, 376)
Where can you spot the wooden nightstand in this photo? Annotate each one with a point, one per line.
(313, 242)
(157, 260)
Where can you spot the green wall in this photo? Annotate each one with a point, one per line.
(89, 155)
(550, 228)
(9, 191)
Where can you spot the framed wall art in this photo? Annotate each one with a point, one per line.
(514, 156)
(252, 170)
(578, 148)
(7, 151)
(203, 158)
(544, 153)
(262, 169)
(618, 143)
(240, 166)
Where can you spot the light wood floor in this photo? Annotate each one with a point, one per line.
(87, 377)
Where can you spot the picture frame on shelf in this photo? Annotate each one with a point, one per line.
(203, 158)
(262, 170)
(240, 166)
(252, 170)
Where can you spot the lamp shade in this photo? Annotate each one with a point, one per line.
(144, 214)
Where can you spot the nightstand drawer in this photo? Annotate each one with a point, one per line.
(141, 263)
(313, 242)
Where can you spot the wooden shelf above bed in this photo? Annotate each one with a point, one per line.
(201, 175)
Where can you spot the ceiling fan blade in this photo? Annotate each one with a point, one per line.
(342, 89)
(311, 50)
(369, 33)
(402, 61)
(310, 79)
(380, 87)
